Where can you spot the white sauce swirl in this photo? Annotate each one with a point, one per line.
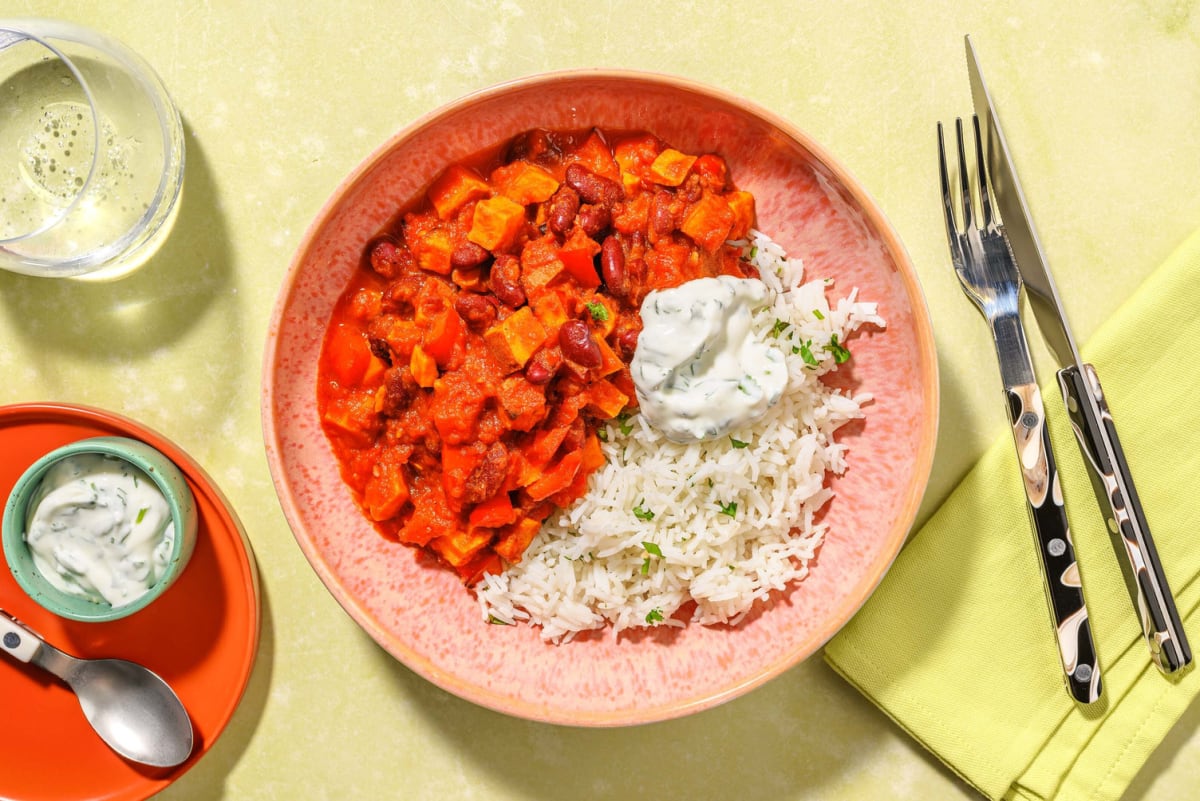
(698, 370)
(99, 528)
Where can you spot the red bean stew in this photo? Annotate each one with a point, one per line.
(470, 362)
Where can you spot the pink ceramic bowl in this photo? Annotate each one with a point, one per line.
(421, 613)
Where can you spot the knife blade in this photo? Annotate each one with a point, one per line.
(1087, 408)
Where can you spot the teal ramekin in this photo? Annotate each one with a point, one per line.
(166, 476)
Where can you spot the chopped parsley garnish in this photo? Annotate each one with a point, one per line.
(652, 548)
(807, 354)
(728, 508)
(624, 425)
(598, 310)
(495, 621)
(654, 616)
(779, 327)
(840, 354)
(642, 513)
(818, 315)
(602, 434)
(646, 566)
(141, 514)
(738, 444)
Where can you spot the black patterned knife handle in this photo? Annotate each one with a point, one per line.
(1052, 535)
(1118, 500)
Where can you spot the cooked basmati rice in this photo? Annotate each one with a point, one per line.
(722, 523)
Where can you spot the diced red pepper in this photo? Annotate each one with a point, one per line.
(457, 463)
(495, 512)
(595, 154)
(578, 257)
(456, 187)
(557, 478)
(447, 332)
(347, 354)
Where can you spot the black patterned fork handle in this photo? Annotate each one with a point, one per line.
(1060, 571)
(1118, 500)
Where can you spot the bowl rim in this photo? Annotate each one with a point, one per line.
(167, 477)
(908, 505)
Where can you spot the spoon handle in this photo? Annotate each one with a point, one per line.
(17, 640)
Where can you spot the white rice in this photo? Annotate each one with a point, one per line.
(598, 563)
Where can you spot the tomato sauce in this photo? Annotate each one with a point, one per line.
(469, 363)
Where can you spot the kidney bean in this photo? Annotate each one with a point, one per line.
(575, 339)
(662, 216)
(593, 219)
(691, 189)
(535, 145)
(398, 295)
(612, 266)
(468, 254)
(543, 365)
(576, 436)
(627, 342)
(390, 260)
(592, 187)
(477, 311)
(399, 389)
(505, 280)
(486, 479)
(561, 210)
(537, 374)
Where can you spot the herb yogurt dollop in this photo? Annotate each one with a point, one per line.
(698, 369)
(99, 528)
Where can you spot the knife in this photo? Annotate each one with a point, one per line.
(1090, 417)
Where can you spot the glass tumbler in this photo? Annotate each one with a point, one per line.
(91, 153)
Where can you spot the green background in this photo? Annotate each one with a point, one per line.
(280, 100)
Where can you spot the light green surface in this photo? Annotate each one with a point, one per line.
(968, 585)
(281, 100)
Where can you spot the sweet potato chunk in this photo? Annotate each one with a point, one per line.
(516, 538)
(708, 221)
(524, 183)
(671, 167)
(456, 187)
(386, 491)
(496, 223)
(515, 338)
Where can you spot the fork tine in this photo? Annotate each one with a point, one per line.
(947, 202)
(981, 165)
(963, 179)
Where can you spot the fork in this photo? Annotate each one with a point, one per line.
(985, 267)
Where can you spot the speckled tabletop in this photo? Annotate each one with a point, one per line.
(280, 100)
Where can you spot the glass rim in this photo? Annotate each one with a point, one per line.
(160, 207)
(22, 35)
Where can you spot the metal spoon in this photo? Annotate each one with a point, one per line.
(129, 706)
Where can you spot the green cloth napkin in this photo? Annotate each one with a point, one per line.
(956, 644)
